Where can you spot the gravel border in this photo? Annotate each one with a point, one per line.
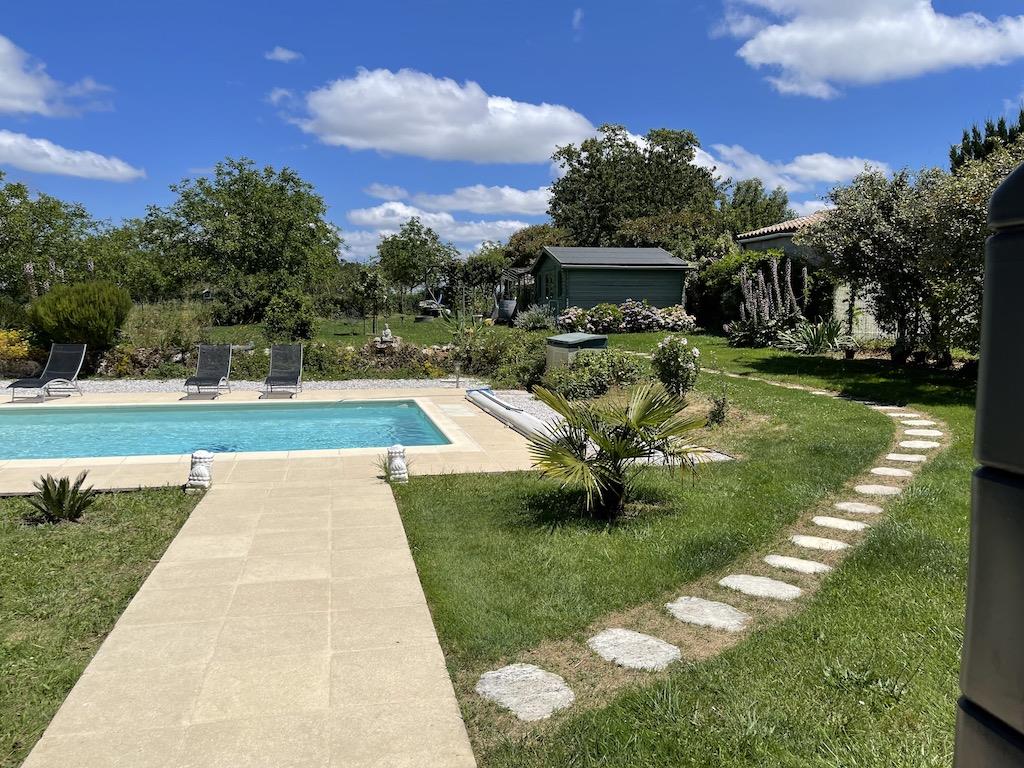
(178, 385)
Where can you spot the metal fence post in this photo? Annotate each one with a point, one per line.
(990, 717)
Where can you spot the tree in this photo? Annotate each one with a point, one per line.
(977, 146)
(611, 181)
(249, 233)
(875, 239)
(415, 256)
(40, 242)
(525, 245)
(481, 273)
(748, 206)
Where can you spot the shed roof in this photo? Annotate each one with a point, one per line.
(790, 227)
(615, 258)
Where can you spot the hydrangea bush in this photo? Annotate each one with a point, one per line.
(676, 364)
(629, 317)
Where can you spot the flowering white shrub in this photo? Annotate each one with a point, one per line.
(573, 319)
(677, 320)
(676, 364)
(629, 317)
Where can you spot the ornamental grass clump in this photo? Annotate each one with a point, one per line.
(599, 449)
(676, 364)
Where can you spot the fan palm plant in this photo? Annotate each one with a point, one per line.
(61, 500)
(598, 449)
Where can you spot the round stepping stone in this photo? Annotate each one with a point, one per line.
(821, 392)
(633, 650)
(918, 422)
(708, 613)
(923, 432)
(877, 490)
(858, 507)
(839, 523)
(886, 407)
(796, 564)
(891, 472)
(526, 690)
(816, 542)
(915, 458)
(919, 444)
(906, 415)
(761, 586)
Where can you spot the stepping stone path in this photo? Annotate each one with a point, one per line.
(839, 523)
(633, 650)
(923, 432)
(918, 423)
(858, 507)
(919, 444)
(816, 542)
(885, 407)
(526, 690)
(796, 564)
(761, 586)
(821, 392)
(915, 458)
(877, 490)
(904, 415)
(708, 613)
(891, 472)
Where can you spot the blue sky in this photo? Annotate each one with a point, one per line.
(449, 110)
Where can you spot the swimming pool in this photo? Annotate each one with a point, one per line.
(145, 430)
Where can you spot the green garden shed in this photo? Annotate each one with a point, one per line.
(585, 277)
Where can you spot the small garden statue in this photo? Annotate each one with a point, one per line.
(398, 470)
(386, 341)
(200, 476)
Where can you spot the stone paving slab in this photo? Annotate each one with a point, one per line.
(923, 432)
(796, 564)
(526, 690)
(761, 586)
(870, 489)
(819, 543)
(708, 613)
(858, 507)
(913, 458)
(633, 650)
(919, 444)
(891, 472)
(839, 523)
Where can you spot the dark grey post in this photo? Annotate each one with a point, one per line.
(990, 719)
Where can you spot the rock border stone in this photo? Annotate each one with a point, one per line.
(634, 650)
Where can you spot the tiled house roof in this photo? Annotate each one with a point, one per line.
(790, 227)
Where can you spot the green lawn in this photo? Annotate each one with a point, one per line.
(866, 675)
(354, 332)
(61, 590)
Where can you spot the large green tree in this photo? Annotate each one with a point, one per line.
(748, 205)
(977, 145)
(525, 245)
(618, 190)
(40, 242)
(415, 256)
(247, 233)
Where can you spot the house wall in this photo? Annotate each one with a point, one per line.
(589, 287)
(545, 284)
(785, 244)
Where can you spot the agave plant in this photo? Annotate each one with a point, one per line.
(61, 500)
(598, 449)
(815, 338)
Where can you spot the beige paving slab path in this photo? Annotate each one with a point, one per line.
(284, 626)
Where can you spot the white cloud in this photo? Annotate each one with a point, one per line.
(26, 87)
(479, 198)
(807, 207)
(816, 45)
(282, 55)
(280, 97)
(414, 113)
(577, 19)
(43, 156)
(386, 218)
(799, 174)
(386, 191)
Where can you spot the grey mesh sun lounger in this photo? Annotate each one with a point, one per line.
(59, 376)
(285, 369)
(212, 370)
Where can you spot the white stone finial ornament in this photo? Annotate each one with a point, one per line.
(200, 475)
(398, 470)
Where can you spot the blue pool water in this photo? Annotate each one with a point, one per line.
(70, 432)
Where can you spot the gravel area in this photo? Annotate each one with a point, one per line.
(178, 385)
